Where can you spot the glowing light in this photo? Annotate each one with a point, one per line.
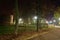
(54, 20)
(35, 17)
(46, 21)
(20, 21)
(50, 22)
(59, 18)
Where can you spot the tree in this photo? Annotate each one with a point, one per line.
(57, 13)
(17, 16)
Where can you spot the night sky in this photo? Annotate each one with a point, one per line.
(28, 7)
(8, 5)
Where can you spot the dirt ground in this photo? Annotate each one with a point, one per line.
(20, 35)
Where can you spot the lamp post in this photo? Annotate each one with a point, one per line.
(35, 19)
(38, 9)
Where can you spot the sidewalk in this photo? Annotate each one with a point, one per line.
(29, 35)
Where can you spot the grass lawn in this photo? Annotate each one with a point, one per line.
(10, 29)
(6, 29)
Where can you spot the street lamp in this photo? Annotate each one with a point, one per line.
(54, 20)
(46, 21)
(35, 17)
(59, 18)
(50, 22)
(20, 20)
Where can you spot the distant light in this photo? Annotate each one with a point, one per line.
(46, 21)
(59, 18)
(20, 21)
(50, 22)
(54, 20)
(35, 17)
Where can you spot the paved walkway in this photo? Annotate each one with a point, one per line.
(52, 35)
(30, 35)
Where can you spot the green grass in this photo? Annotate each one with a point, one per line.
(6, 29)
(10, 28)
(28, 28)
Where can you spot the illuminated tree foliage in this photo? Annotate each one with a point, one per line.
(57, 13)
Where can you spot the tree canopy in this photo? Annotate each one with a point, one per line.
(57, 13)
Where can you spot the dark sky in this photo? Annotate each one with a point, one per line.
(27, 7)
(6, 6)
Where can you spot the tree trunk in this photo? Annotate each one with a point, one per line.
(17, 16)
